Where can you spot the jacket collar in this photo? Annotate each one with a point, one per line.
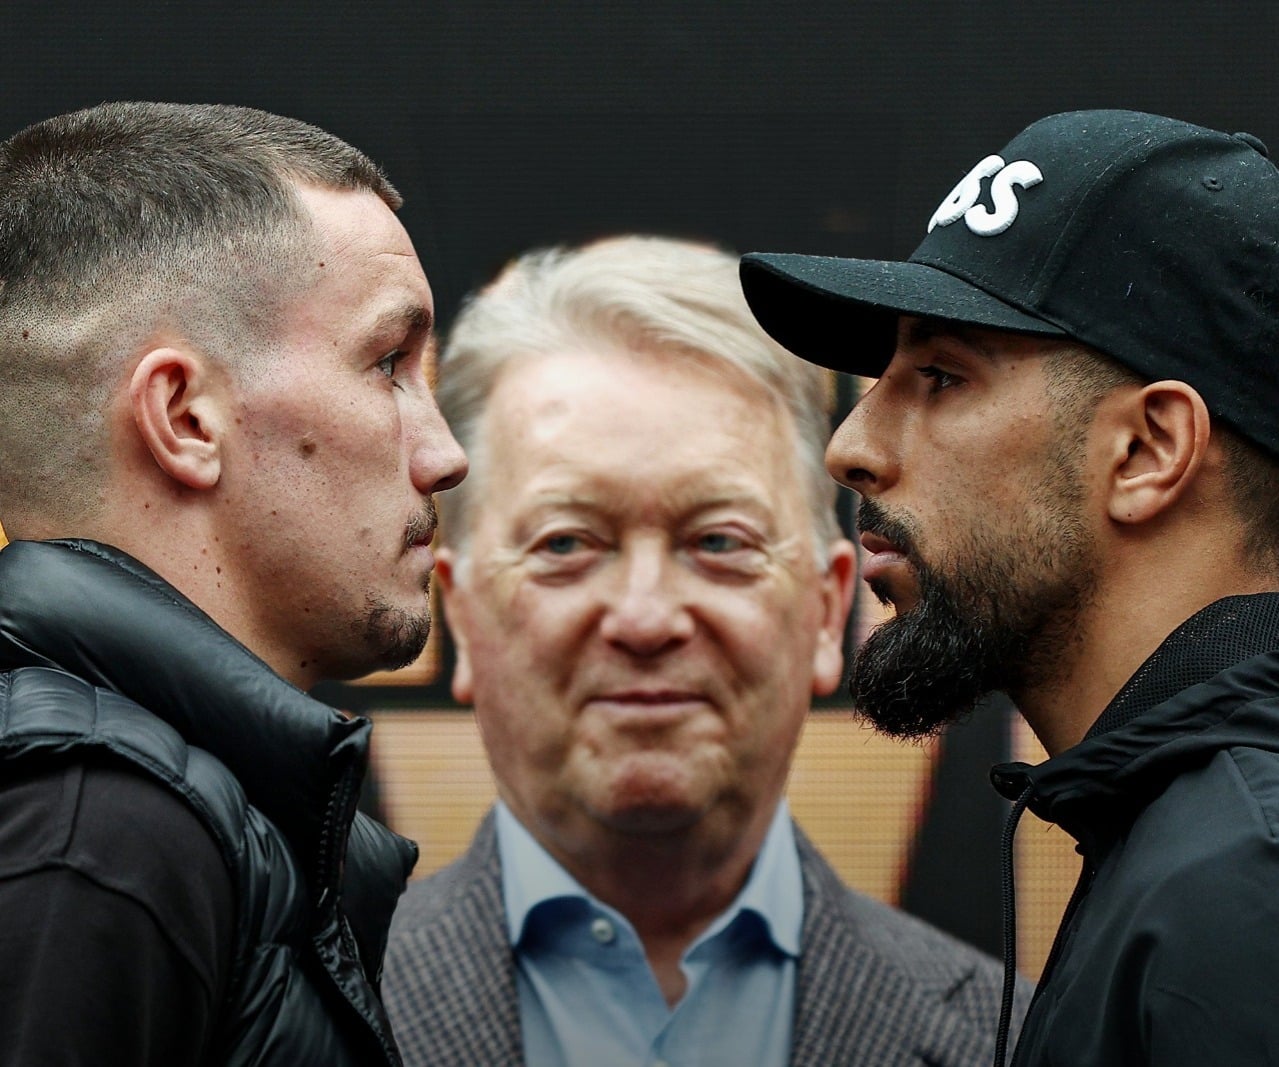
(1198, 693)
(1212, 640)
(95, 612)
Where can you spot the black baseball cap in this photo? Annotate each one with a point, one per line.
(1152, 240)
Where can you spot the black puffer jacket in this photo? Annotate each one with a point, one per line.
(1169, 952)
(99, 655)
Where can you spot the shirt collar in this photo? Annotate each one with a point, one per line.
(530, 876)
(774, 890)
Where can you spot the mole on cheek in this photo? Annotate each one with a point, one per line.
(306, 447)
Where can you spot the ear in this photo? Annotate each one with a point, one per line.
(837, 600)
(1157, 453)
(462, 684)
(176, 412)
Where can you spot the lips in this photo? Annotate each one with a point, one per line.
(419, 531)
(648, 708)
(654, 697)
(874, 544)
(882, 556)
(417, 541)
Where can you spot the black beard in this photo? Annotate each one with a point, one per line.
(994, 623)
(922, 670)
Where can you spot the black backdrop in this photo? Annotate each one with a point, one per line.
(823, 126)
(829, 127)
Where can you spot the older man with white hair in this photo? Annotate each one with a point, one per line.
(647, 587)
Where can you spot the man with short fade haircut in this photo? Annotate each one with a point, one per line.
(647, 587)
(1069, 470)
(219, 454)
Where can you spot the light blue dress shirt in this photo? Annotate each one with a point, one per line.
(588, 997)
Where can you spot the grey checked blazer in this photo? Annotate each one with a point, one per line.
(875, 987)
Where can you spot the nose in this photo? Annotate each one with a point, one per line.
(436, 461)
(647, 613)
(862, 451)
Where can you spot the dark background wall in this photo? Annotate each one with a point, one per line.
(823, 126)
(831, 127)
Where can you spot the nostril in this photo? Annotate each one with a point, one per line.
(451, 480)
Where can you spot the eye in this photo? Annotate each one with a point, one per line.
(560, 544)
(938, 379)
(563, 555)
(728, 552)
(719, 541)
(388, 364)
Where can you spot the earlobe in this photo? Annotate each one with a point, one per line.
(837, 586)
(1166, 427)
(175, 414)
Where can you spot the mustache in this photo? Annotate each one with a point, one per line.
(873, 518)
(421, 526)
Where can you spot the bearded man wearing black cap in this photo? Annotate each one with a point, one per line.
(1069, 471)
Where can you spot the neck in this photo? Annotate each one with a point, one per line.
(670, 887)
(181, 542)
(1139, 603)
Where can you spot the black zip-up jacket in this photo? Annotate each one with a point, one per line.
(113, 685)
(1169, 951)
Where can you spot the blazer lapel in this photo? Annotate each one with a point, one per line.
(855, 1003)
(457, 1001)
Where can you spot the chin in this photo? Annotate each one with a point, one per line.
(652, 820)
(395, 636)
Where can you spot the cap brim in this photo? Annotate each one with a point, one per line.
(842, 313)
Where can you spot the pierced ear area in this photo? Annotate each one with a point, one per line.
(176, 415)
(1165, 429)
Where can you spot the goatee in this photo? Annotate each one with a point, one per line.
(396, 636)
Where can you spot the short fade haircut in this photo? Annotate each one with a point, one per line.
(629, 293)
(128, 218)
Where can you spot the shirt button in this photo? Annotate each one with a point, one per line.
(602, 930)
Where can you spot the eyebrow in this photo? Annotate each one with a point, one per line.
(410, 316)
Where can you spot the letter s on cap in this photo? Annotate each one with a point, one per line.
(1003, 198)
(965, 194)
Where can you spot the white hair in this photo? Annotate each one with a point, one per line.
(637, 293)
